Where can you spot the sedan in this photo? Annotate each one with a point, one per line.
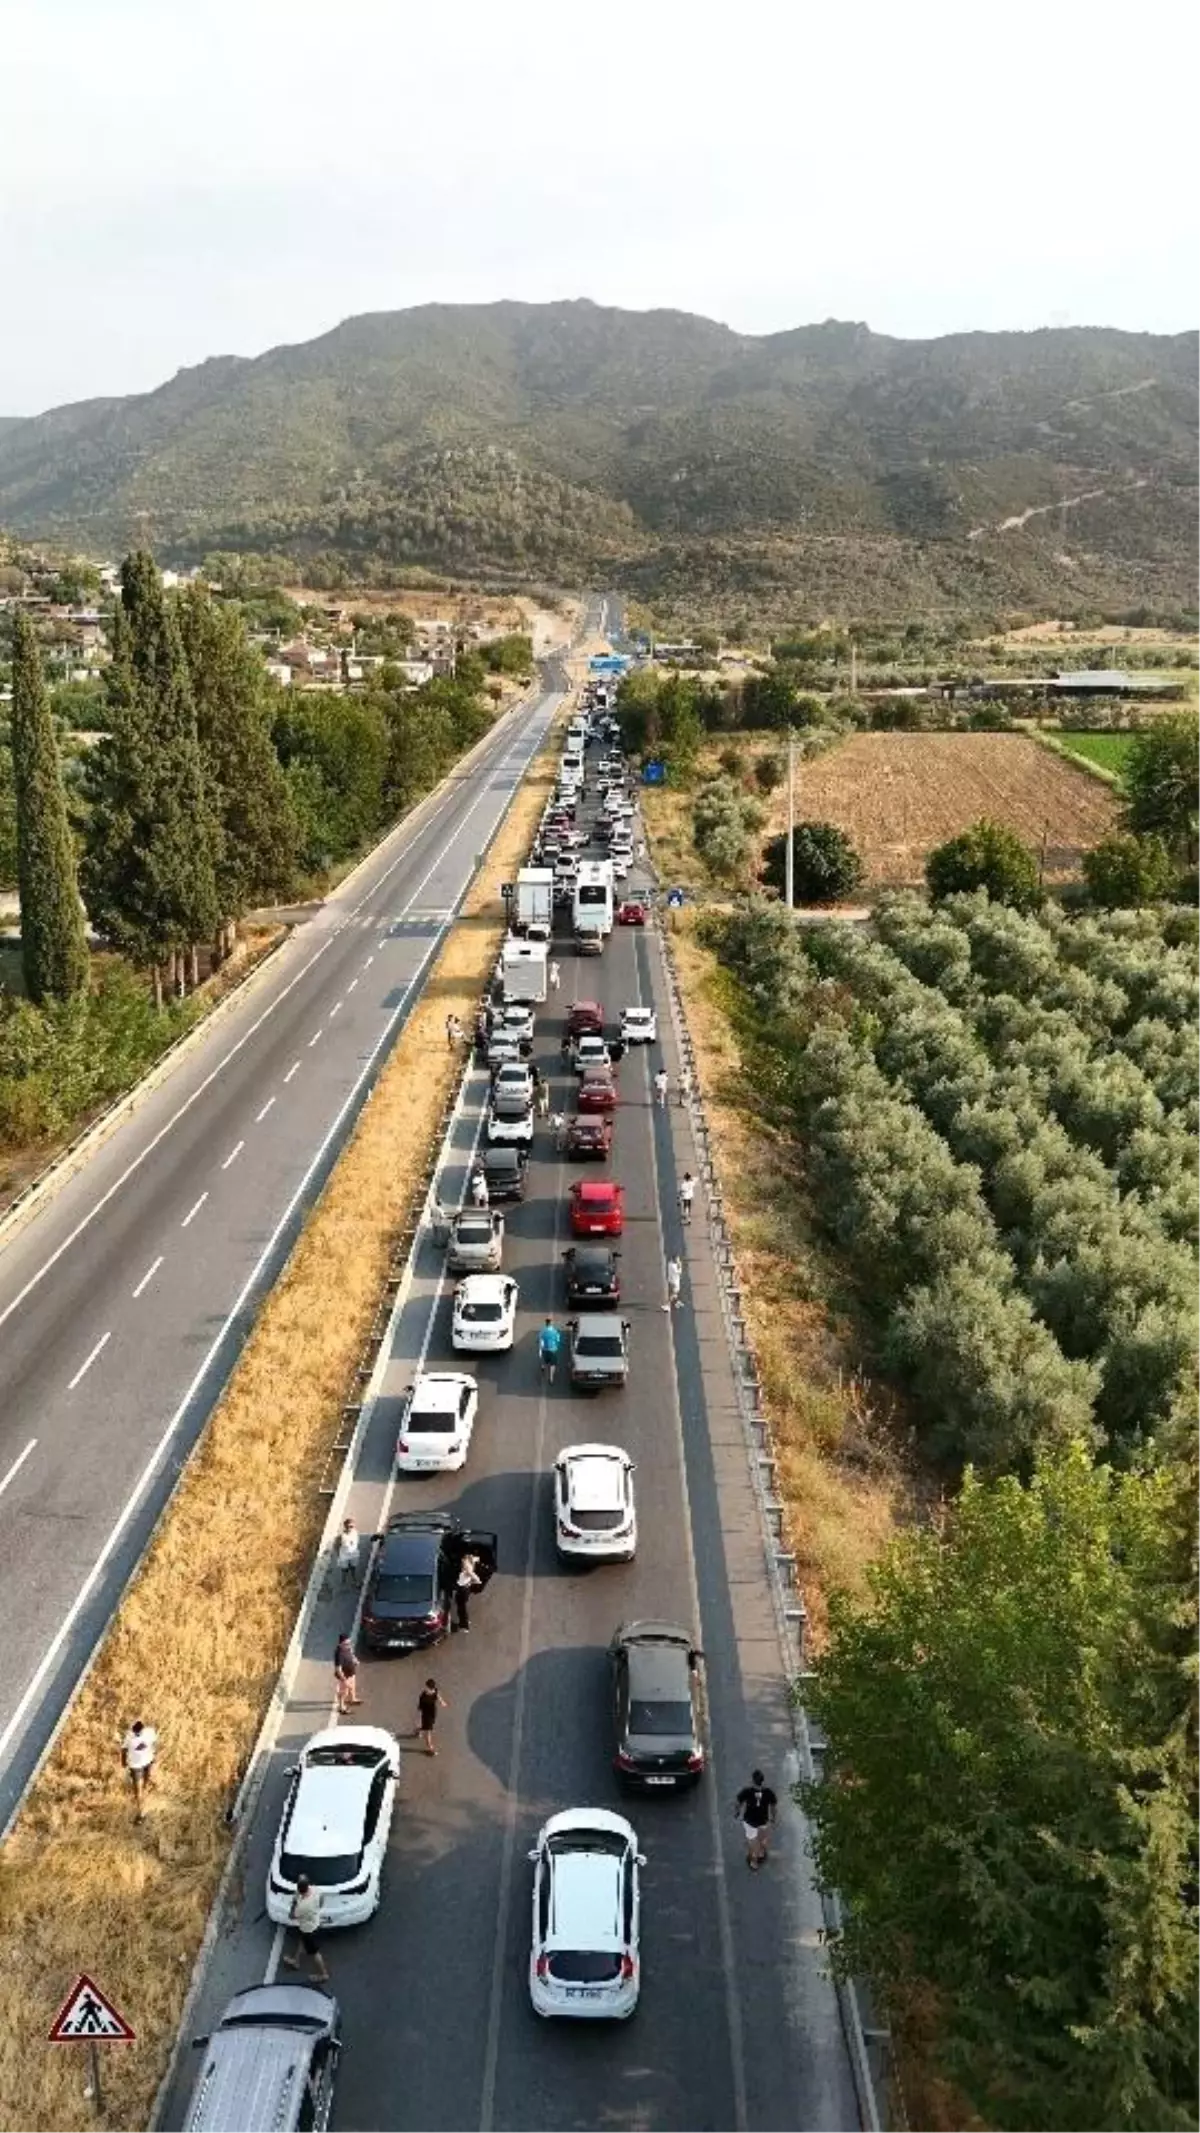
(509, 1132)
(632, 913)
(512, 1089)
(598, 1351)
(593, 1277)
(597, 1088)
(585, 1957)
(595, 1519)
(485, 1313)
(597, 1208)
(658, 1706)
(584, 1016)
(589, 1050)
(516, 1020)
(639, 1025)
(503, 1172)
(476, 1243)
(335, 1823)
(590, 1135)
(439, 1418)
(411, 1575)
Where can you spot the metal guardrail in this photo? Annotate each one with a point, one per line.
(863, 2034)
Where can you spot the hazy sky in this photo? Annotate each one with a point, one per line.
(183, 181)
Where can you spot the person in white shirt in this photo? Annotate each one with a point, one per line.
(467, 1582)
(674, 1283)
(687, 1193)
(306, 1917)
(479, 1189)
(345, 1552)
(554, 976)
(138, 1750)
(660, 1088)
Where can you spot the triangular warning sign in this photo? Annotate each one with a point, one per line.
(87, 2016)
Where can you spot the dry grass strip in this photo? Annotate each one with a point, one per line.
(833, 1430)
(198, 1641)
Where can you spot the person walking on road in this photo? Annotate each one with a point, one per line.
(345, 1675)
(345, 1553)
(674, 1284)
(660, 1088)
(429, 1703)
(558, 1126)
(306, 1918)
(685, 1087)
(542, 1097)
(555, 976)
(755, 1807)
(467, 1582)
(138, 1751)
(687, 1193)
(549, 1343)
(479, 1189)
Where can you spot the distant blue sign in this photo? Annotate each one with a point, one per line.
(609, 663)
(674, 899)
(654, 773)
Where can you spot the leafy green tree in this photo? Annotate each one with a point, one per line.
(1124, 872)
(725, 821)
(769, 700)
(768, 773)
(334, 749)
(986, 856)
(826, 866)
(244, 778)
(54, 951)
(1010, 1809)
(1159, 780)
(8, 817)
(148, 872)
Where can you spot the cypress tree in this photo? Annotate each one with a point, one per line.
(243, 775)
(150, 867)
(54, 950)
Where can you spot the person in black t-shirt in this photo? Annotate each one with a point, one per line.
(429, 1702)
(755, 1808)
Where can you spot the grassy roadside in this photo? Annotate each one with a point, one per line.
(835, 1432)
(1103, 761)
(197, 1643)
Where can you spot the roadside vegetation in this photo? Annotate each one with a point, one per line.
(77, 1873)
(208, 792)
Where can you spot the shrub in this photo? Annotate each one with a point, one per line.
(986, 856)
(768, 773)
(1124, 872)
(826, 865)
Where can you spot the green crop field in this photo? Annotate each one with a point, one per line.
(1109, 750)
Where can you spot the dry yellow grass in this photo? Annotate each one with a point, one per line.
(199, 1638)
(843, 1485)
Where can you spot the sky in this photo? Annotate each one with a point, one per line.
(181, 182)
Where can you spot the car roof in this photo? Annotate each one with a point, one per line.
(587, 1910)
(475, 1218)
(597, 1322)
(410, 1551)
(639, 1011)
(352, 1737)
(437, 1392)
(659, 1673)
(599, 1190)
(329, 1809)
(484, 1288)
(596, 1476)
(583, 1819)
(594, 1255)
(586, 1007)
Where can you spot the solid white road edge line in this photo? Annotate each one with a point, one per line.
(144, 1479)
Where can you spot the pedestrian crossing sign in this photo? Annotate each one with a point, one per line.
(87, 2016)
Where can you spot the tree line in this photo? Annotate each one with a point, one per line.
(208, 790)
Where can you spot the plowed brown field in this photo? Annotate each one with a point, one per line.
(900, 794)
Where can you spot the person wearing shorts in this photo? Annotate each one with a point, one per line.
(756, 1804)
(429, 1703)
(306, 1917)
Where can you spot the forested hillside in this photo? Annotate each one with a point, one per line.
(1054, 468)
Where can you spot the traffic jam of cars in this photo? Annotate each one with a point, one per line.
(585, 1953)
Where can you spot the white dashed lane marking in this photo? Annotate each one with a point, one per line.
(193, 1211)
(262, 1114)
(86, 1366)
(148, 1277)
(233, 1155)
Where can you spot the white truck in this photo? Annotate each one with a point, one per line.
(523, 970)
(534, 913)
(592, 903)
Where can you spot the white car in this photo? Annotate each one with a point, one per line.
(595, 1519)
(584, 1958)
(439, 1418)
(589, 1051)
(516, 1132)
(485, 1313)
(516, 1020)
(639, 1025)
(512, 1089)
(334, 1827)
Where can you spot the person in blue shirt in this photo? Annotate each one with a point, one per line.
(549, 1343)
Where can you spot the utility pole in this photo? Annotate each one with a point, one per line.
(853, 668)
(789, 857)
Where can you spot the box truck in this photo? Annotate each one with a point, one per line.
(534, 915)
(523, 969)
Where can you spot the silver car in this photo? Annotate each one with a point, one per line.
(476, 1241)
(512, 1090)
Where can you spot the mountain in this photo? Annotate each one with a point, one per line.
(837, 465)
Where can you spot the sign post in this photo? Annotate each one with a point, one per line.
(87, 2016)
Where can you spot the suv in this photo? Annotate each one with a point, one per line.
(593, 1277)
(598, 1350)
(504, 1169)
(270, 2064)
(584, 1958)
(657, 1700)
(411, 1575)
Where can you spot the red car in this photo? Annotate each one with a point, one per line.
(597, 1208)
(632, 913)
(591, 1135)
(585, 1018)
(597, 1090)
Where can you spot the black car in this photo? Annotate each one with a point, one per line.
(504, 1169)
(592, 1275)
(412, 1571)
(658, 1706)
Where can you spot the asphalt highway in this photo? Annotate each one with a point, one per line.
(738, 2024)
(124, 1301)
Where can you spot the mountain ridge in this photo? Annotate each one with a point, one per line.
(638, 432)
